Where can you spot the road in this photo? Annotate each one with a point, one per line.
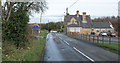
(60, 47)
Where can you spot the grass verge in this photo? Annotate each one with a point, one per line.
(33, 52)
(114, 47)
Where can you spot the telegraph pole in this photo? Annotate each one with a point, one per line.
(40, 19)
(40, 22)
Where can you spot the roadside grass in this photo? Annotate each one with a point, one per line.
(113, 46)
(36, 53)
(43, 34)
(32, 52)
(0, 52)
(0, 44)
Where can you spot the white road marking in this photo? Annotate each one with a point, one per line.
(83, 54)
(60, 37)
(66, 42)
(0, 48)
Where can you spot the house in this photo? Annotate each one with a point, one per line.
(102, 26)
(84, 25)
(53, 30)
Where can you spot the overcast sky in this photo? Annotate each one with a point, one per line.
(94, 8)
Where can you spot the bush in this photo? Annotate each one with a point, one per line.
(8, 48)
(15, 30)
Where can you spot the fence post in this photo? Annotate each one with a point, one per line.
(103, 39)
(86, 37)
(80, 36)
(83, 36)
(89, 38)
(97, 39)
(93, 39)
(109, 40)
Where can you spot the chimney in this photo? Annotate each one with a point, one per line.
(77, 13)
(67, 11)
(84, 17)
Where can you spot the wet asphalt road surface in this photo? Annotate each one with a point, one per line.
(60, 47)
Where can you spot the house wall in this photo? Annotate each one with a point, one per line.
(86, 31)
(82, 30)
(75, 28)
(89, 30)
(73, 19)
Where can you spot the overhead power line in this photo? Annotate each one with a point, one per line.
(73, 4)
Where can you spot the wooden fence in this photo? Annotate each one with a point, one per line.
(94, 38)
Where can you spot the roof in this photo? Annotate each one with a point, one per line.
(89, 24)
(73, 25)
(103, 24)
(79, 21)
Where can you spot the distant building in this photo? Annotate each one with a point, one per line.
(53, 30)
(83, 24)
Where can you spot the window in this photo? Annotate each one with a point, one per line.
(72, 22)
(67, 29)
(72, 30)
(97, 30)
(77, 29)
(109, 31)
(103, 31)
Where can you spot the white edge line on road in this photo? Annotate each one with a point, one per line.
(83, 54)
(0, 48)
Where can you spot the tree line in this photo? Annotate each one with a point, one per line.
(52, 25)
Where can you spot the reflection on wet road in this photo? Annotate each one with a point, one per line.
(60, 47)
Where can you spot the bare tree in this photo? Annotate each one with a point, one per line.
(7, 7)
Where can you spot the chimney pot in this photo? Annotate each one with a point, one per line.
(77, 13)
(84, 17)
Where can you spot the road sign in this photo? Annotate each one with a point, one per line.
(36, 27)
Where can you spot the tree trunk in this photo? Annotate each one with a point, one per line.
(2, 13)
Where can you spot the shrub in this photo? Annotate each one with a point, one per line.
(14, 30)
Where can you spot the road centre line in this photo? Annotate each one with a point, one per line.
(66, 42)
(79, 51)
(83, 54)
(60, 37)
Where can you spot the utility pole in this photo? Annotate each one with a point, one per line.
(40, 19)
(48, 26)
(40, 22)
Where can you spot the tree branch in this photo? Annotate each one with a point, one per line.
(2, 13)
(9, 10)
